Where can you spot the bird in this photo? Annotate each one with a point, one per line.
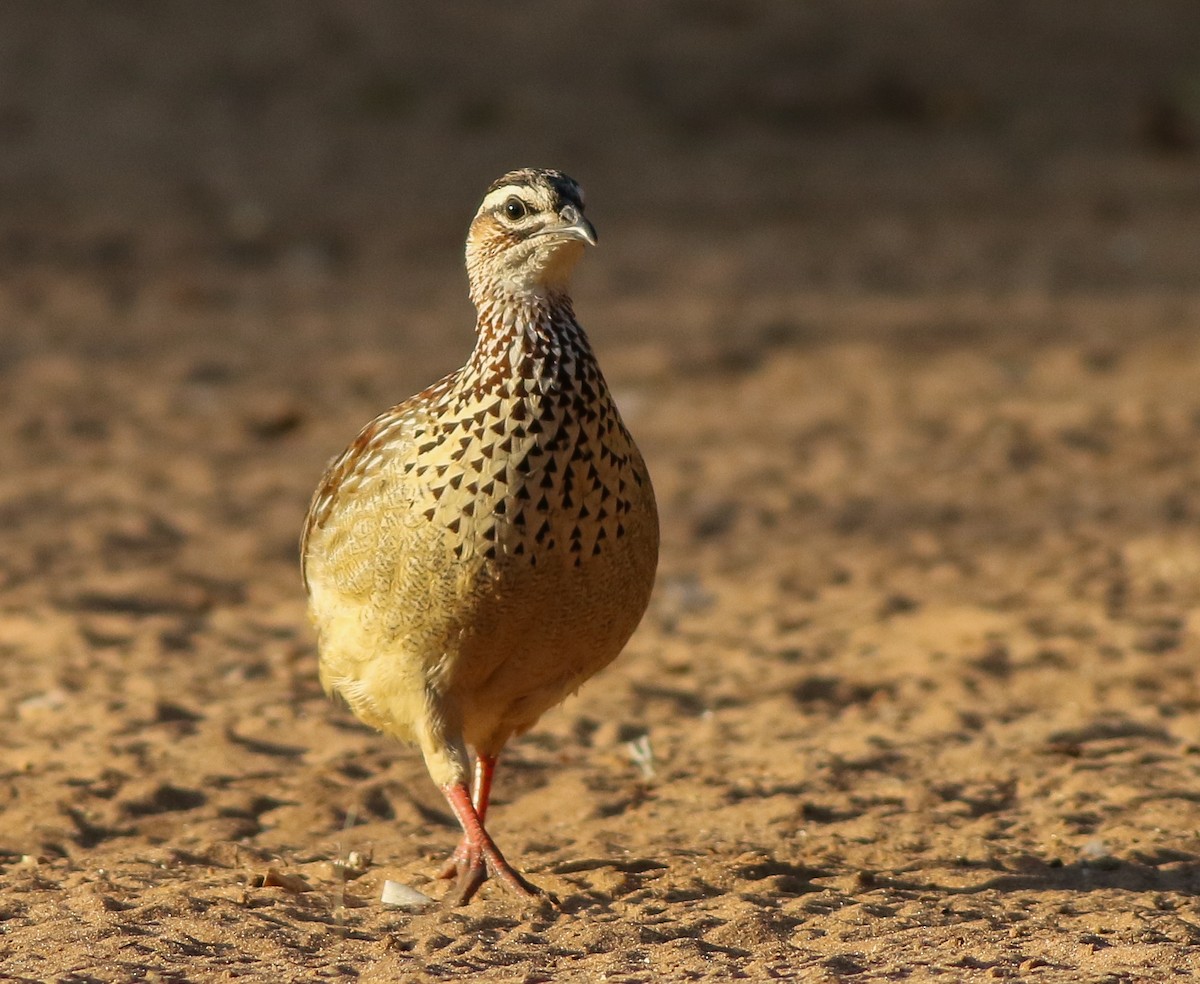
(482, 549)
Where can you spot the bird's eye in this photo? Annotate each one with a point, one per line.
(514, 208)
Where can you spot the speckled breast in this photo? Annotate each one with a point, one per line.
(546, 505)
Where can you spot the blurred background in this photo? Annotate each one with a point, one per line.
(900, 301)
(303, 172)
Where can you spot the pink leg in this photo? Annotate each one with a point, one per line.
(485, 768)
(477, 857)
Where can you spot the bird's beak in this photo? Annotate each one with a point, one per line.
(572, 225)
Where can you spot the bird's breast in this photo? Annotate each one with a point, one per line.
(544, 475)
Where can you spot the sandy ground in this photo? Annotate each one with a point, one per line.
(902, 309)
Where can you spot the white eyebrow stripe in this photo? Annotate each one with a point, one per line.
(524, 192)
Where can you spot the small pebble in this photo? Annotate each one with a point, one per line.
(400, 896)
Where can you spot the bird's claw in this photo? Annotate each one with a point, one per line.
(472, 864)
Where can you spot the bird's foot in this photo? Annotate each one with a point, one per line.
(456, 860)
(472, 864)
(477, 857)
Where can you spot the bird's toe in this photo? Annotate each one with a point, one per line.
(472, 864)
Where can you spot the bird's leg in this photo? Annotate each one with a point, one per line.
(485, 768)
(477, 857)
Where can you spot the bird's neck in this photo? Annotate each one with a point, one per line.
(530, 334)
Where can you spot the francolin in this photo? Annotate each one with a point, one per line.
(486, 546)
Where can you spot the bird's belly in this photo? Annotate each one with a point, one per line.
(501, 604)
(540, 632)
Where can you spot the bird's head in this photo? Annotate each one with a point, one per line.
(528, 234)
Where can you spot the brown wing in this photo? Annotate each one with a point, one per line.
(360, 461)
